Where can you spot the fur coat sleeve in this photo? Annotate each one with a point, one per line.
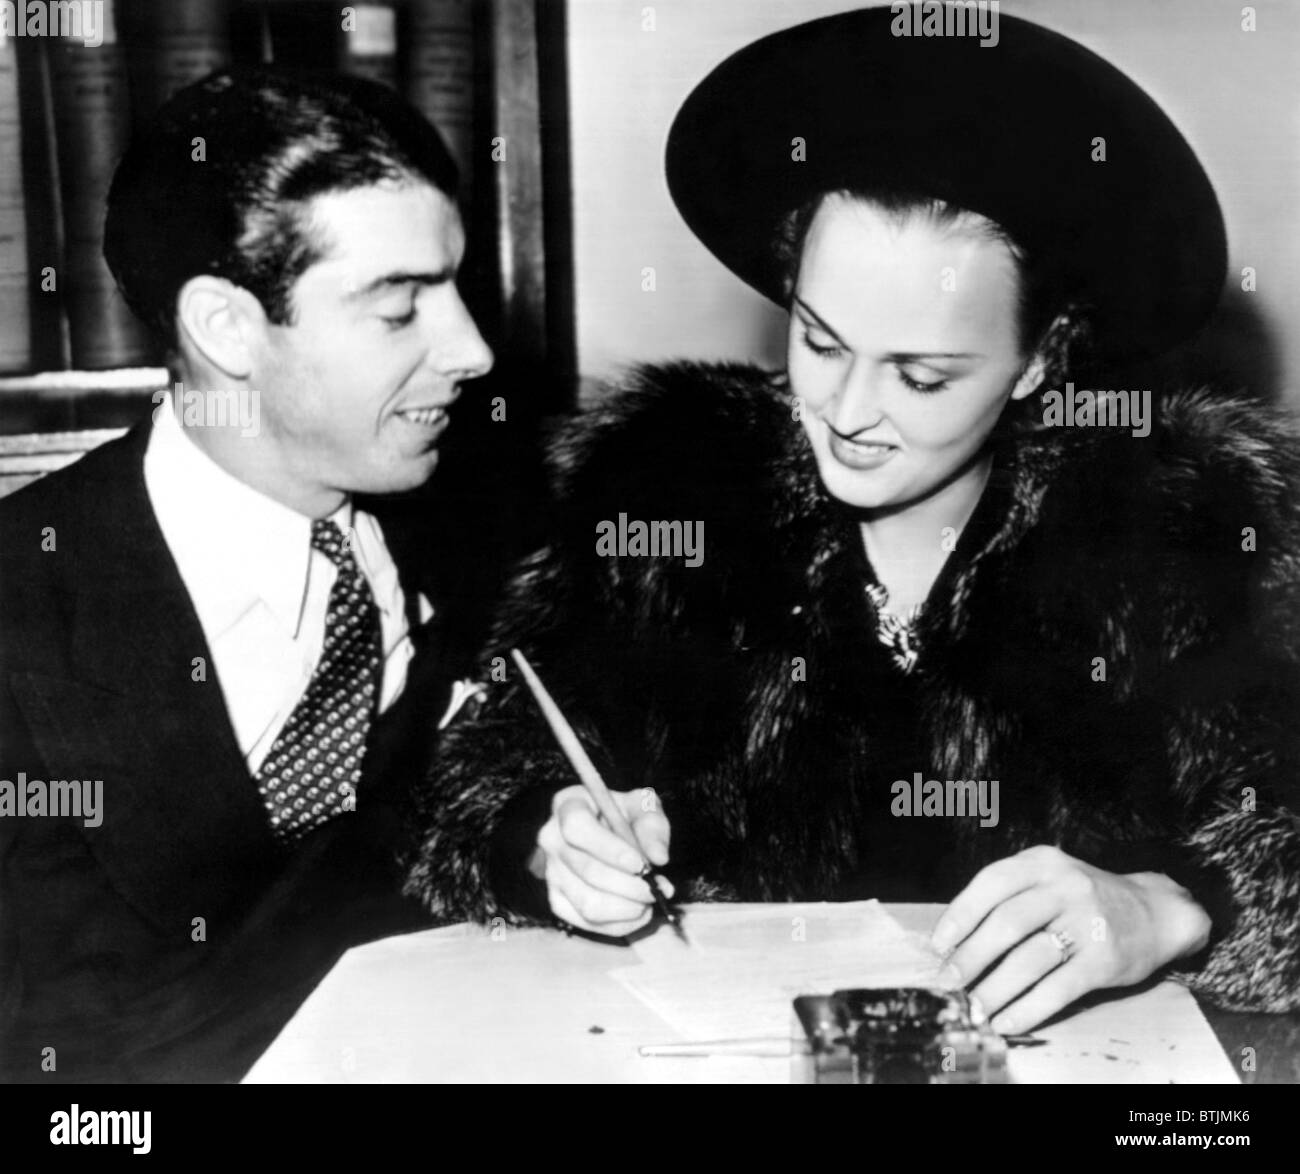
(1173, 561)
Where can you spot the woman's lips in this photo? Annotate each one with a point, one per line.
(860, 455)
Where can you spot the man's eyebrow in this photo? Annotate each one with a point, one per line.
(895, 356)
(387, 281)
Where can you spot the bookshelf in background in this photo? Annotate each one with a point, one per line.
(92, 127)
(15, 319)
(170, 45)
(64, 401)
(73, 357)
(440, 74)
(359, 38)
(368, 42)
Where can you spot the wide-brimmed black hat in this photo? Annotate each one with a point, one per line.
(1006, 130)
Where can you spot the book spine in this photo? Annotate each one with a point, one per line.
(92, 126)
(368, 42)
(15, 315)
(171, 45)
(440, 74)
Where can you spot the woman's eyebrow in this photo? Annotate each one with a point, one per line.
(895, 356)
(817, 318)
(921, 356)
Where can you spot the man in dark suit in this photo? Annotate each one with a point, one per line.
(225, 628)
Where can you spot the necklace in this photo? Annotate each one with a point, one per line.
(896, 633)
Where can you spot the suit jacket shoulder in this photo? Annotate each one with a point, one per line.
(105, 675)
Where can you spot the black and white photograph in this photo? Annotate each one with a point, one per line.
(614, 543)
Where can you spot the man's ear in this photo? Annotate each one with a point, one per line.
(222, 321)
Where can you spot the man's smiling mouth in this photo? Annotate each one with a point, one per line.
(425, 417)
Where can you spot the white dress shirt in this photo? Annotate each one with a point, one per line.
(261, 592)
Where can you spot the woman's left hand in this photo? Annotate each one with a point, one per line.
(1040, 929)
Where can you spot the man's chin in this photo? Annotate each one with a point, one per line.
(401, 476)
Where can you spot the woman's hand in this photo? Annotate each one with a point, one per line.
(591, 874)
(1042, 917)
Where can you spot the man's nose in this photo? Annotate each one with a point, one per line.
(456, 346)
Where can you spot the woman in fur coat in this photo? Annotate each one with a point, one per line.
(945, 611)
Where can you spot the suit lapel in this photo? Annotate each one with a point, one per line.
(178, 800)
(410, 544)
(184, 833)
(404, 736)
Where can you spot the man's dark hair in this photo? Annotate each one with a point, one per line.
(235, 205)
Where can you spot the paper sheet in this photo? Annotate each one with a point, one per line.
(743, 967)
(471, 1004)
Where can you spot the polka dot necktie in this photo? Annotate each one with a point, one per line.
(311, 772)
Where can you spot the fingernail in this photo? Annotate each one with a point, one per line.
(950, 976)
(977, 1010)
(942, 938)
(1004, 1025)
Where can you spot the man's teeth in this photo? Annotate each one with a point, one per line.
(423, 415)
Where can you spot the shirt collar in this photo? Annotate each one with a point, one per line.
(233, 545)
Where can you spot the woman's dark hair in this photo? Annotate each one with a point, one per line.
(1066, 345)
(220, 183)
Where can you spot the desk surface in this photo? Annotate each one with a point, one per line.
(466, 1004)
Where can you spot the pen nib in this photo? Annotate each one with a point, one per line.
(665, 910)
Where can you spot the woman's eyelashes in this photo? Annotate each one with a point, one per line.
(835, 351)
(825, 350)
(920, 385)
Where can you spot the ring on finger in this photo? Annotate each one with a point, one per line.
(1064, 943)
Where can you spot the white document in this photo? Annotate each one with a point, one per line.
(744, 965)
